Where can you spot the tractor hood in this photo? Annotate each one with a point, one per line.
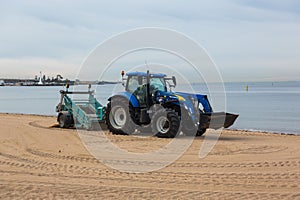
(182, 96)
(208, 119)
(185, 98)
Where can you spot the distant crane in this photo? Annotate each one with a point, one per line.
(59, 77)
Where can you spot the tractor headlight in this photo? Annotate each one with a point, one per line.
(188, 109)
(185, 106)
(195, 102)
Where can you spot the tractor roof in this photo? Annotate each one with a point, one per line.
(145, 74)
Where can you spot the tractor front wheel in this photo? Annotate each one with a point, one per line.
(165, 123)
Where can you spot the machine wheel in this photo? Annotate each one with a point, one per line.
(119, 117)
(165, 123)
(65, 120)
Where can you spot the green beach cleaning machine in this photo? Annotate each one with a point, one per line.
(85, 113)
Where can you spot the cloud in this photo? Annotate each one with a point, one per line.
(237, 34)
(29, 67)
(287, 6)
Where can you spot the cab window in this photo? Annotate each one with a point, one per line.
(157, 84)
(132, 84)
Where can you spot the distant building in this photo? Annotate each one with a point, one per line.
(2, 83)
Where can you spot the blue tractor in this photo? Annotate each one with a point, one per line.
(148, 106)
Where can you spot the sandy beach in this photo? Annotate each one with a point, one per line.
(38, 160)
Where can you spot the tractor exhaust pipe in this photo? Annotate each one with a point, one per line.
(148, 96)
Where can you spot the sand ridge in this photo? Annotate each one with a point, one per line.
(40, 161)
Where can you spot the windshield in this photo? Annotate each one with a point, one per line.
(157, 84)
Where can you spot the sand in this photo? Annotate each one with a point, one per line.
(40, 161)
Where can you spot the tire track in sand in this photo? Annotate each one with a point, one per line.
(290, 180)
(284, 163)
(80, 191)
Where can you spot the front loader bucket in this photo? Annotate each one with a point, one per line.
(216, 120)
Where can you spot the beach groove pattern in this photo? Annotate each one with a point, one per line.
(35, 170)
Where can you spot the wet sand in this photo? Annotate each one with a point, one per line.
(38, 160)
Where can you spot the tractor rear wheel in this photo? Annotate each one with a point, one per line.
(165, 123)
(119, 113)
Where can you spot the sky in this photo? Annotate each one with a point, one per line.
(256, 40)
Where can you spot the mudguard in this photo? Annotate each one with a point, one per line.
(130, 97)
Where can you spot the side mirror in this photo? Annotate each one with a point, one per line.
(174, 80)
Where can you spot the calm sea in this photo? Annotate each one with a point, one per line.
(267, 106)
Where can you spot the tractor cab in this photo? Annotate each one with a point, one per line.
(145, 85)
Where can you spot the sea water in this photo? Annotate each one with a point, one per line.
(266, 106)
(271, 107)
